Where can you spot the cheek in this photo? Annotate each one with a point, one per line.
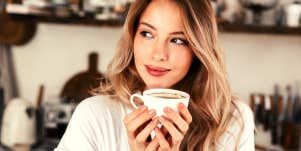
(140, 50)
(138, 54)
(186, 59)
(137, 50)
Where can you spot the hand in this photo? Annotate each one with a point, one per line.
(139, 125)
(174, 128)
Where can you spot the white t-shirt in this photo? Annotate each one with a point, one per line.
(97, 125)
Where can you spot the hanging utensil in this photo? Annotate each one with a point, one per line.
(80, 85)
(14, 32)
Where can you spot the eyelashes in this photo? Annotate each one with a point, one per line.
(178, 41)
(146, 34)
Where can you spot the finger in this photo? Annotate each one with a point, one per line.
(140, 120)
(143, 135)
(176, 118)
(153, 145)
(134, 114)
(161, 139)
(166, 134)
(131, 117)
(184, 112)
(176, 135)
(164, 131)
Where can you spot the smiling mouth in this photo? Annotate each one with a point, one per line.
(156, 71)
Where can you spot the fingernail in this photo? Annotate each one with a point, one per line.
(167, 109)
(161, 119)
(182, 105)
(156, 120)
(151, 112)
(143, 108)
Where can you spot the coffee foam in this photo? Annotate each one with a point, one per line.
(167, 95)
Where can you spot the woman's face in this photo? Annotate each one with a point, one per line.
(161, 53)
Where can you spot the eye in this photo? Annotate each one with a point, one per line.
(179, 41)
(146, 34)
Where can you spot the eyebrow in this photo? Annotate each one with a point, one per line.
(154, 28)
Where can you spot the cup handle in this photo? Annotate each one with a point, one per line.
(133, 97)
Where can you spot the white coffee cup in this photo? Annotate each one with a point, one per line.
(158, 99)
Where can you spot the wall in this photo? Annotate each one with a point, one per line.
(255, 62)
(58, 52)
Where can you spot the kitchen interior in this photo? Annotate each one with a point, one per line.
(53, 52)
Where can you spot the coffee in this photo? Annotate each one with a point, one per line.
(167, 95)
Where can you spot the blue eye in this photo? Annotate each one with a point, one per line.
(146, 34)
(179, 41)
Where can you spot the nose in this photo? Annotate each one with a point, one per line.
(160, 52)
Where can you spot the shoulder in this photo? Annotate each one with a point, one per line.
(241, 116)
(242, 119)
(95, 102)
(101, 105)
(241, 127)
(246, 139)
(243, 111)
(93, 119)
(99, 102)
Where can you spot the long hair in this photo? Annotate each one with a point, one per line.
(212, 101)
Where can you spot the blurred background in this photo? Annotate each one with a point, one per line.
(52, 52)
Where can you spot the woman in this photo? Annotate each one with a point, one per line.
(165, 44)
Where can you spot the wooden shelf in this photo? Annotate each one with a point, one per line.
(26, 13)
(224, 27)
(236, 28)
(69, 20)
(90, 21)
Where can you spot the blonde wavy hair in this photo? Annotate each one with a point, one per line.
(212, 102)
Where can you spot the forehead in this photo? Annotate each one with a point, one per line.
(163, 14)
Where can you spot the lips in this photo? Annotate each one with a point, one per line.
(156, 71)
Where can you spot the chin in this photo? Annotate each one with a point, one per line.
(152, 86)
(157, 82)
